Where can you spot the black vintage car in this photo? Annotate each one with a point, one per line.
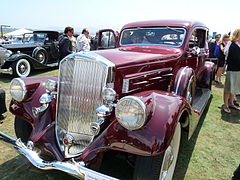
(38, 50)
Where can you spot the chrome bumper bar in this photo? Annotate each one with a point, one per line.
(6, 71)
(76, 169)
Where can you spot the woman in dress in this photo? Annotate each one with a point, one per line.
(232, 85)
(221, 57)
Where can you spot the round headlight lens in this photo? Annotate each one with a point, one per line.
(18, 89)
(108, 94)
(50, 85)
(131, 113)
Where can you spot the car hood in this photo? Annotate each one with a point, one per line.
(135, 55)
(18, 45)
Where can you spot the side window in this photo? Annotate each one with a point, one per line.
(197, 38)
(108, 40)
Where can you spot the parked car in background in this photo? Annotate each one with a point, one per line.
(38, 50)
(128, 101)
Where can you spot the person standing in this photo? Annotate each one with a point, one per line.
(95, 42)
(232, 85)
(65, 44)
(3, 108)
(74, 43)
(212, 45)
(83, 42)
(221, 57)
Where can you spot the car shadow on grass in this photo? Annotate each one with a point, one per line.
(5, 78)
(21, 169)
(187, 147)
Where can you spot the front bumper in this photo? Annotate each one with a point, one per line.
(7, 71)
(76, 169)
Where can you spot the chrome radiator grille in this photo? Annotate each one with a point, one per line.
(79, 94)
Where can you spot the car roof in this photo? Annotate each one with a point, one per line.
(171, 23)
(45, 31)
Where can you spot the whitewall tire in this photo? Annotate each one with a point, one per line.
(21, 68)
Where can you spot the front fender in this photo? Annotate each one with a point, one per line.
(35, 88)
(15, 57)
(164, 111)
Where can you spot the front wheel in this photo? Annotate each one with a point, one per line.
(21, 68)
(159, 167)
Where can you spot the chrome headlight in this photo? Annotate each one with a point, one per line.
(108, 94)
(131, 113)
(18, 89)
(50, 85)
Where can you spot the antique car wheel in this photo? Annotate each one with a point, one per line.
(22, 129)
(40, 55)
(21, 68)
(159, 167)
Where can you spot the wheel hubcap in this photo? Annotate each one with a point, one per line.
(168, 160)
(22, 68)
(170, 156)
(41, 57)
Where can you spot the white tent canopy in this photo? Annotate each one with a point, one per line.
(18, 32)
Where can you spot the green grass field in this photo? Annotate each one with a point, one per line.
(212, 152)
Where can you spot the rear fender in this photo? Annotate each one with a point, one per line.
(206, 75)
(164, 111)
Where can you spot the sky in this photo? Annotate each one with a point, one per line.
(219, 15)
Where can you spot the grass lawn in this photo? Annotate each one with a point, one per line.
(212, 152)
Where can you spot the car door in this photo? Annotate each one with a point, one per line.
(107, 39)
(196, 50)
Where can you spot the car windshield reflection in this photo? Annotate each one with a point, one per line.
(34, 37)
(166, 36)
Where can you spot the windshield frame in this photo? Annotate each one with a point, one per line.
(147, 44)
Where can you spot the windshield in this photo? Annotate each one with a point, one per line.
(34, 37)
(166, 36)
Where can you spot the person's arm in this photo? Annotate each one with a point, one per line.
(69, 46)
(78, 44)
(226, 49)
(222, 48)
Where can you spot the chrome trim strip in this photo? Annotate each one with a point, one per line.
(150, 73)
(155, 78)
(142, 82)
(178, 83)
(166, 75)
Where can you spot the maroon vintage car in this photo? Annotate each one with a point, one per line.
(129, 100)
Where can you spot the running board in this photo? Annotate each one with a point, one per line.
(200, 102)
(201, 99)
(52, 65)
